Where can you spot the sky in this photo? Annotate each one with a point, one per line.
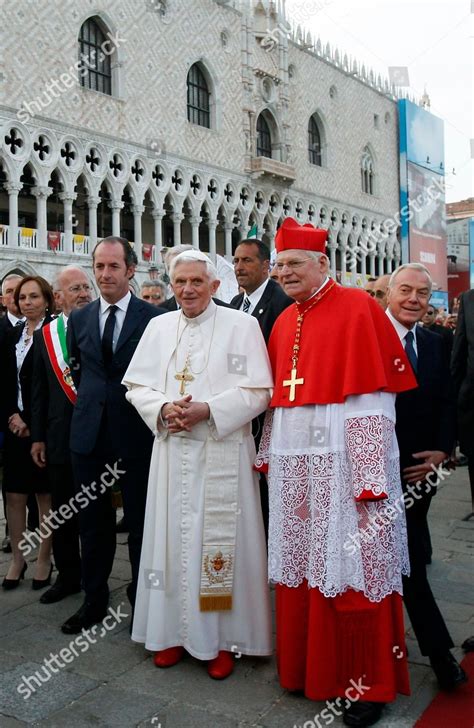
(434, 39)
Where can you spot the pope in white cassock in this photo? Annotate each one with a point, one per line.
(198, 377)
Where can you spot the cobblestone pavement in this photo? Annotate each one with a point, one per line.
(114, 682)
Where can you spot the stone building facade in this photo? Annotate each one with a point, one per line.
(173, 121)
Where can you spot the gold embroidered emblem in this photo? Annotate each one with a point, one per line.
(67, 377)
(217, 567)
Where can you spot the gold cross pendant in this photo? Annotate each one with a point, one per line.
(183, 377)
(292, 383)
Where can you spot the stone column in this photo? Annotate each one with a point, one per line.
(67, 200)
(42, 193)
(344, 256)
(332, 259)
(138, 211)
(380, 266)
(177, 218)
(157, 216)
(212, 224)
(372, 265)
(13, 189)
(116, 206)
(195, 221)
(93, 202)
(228, 228)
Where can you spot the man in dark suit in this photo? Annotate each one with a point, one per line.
(429, 322)
(462, 368)
(425, 428)
(110, 444)
(7, 322)
(262, 297)
(53, 398)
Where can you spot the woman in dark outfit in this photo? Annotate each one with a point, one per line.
(21, 477)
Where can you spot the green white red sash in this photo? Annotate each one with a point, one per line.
(54, 335)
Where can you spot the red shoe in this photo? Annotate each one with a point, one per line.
(221, 666)
(169, 657)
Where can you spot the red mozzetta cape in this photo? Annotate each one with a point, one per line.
(348, 346)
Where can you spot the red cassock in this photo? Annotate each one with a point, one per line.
(348, 347)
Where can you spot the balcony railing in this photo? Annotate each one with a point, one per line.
(273, 168)
(26, 238)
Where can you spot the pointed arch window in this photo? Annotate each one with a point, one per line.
(199, 96)
(95, 70)
(314, 143)
(264, 138)
(367, 172)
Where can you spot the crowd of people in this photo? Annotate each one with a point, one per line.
(295, 434)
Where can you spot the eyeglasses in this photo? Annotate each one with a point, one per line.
(292, 264)
(154, 296)
(76, 289)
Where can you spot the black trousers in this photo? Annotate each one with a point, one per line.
(97, 519)
(426, 619)
(66, 536)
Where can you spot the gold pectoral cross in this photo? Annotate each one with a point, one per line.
(183, 377)
(292, 383)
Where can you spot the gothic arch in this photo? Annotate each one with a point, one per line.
(213, 85)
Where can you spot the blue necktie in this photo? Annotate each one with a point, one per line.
(410, 350)
(246, 305)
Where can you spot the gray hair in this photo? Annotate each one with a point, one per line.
(153, 284)
(11, 277)
(194, 256)
(411, 266)
(66, 269)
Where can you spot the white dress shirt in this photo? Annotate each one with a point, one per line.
(254, 297)
(120, 314)
(402, 330)
(14, 319)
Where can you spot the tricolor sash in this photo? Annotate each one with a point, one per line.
(54, 335)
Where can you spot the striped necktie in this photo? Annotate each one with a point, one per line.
(246, 305)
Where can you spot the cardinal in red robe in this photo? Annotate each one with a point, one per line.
(337, 534)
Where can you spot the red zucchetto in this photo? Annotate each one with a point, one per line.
(293, 236)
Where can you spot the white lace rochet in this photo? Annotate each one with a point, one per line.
(322, 460)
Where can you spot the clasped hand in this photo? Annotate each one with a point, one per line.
(184, 414)
(17, 426)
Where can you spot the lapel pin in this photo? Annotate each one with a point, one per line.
(261, 310)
